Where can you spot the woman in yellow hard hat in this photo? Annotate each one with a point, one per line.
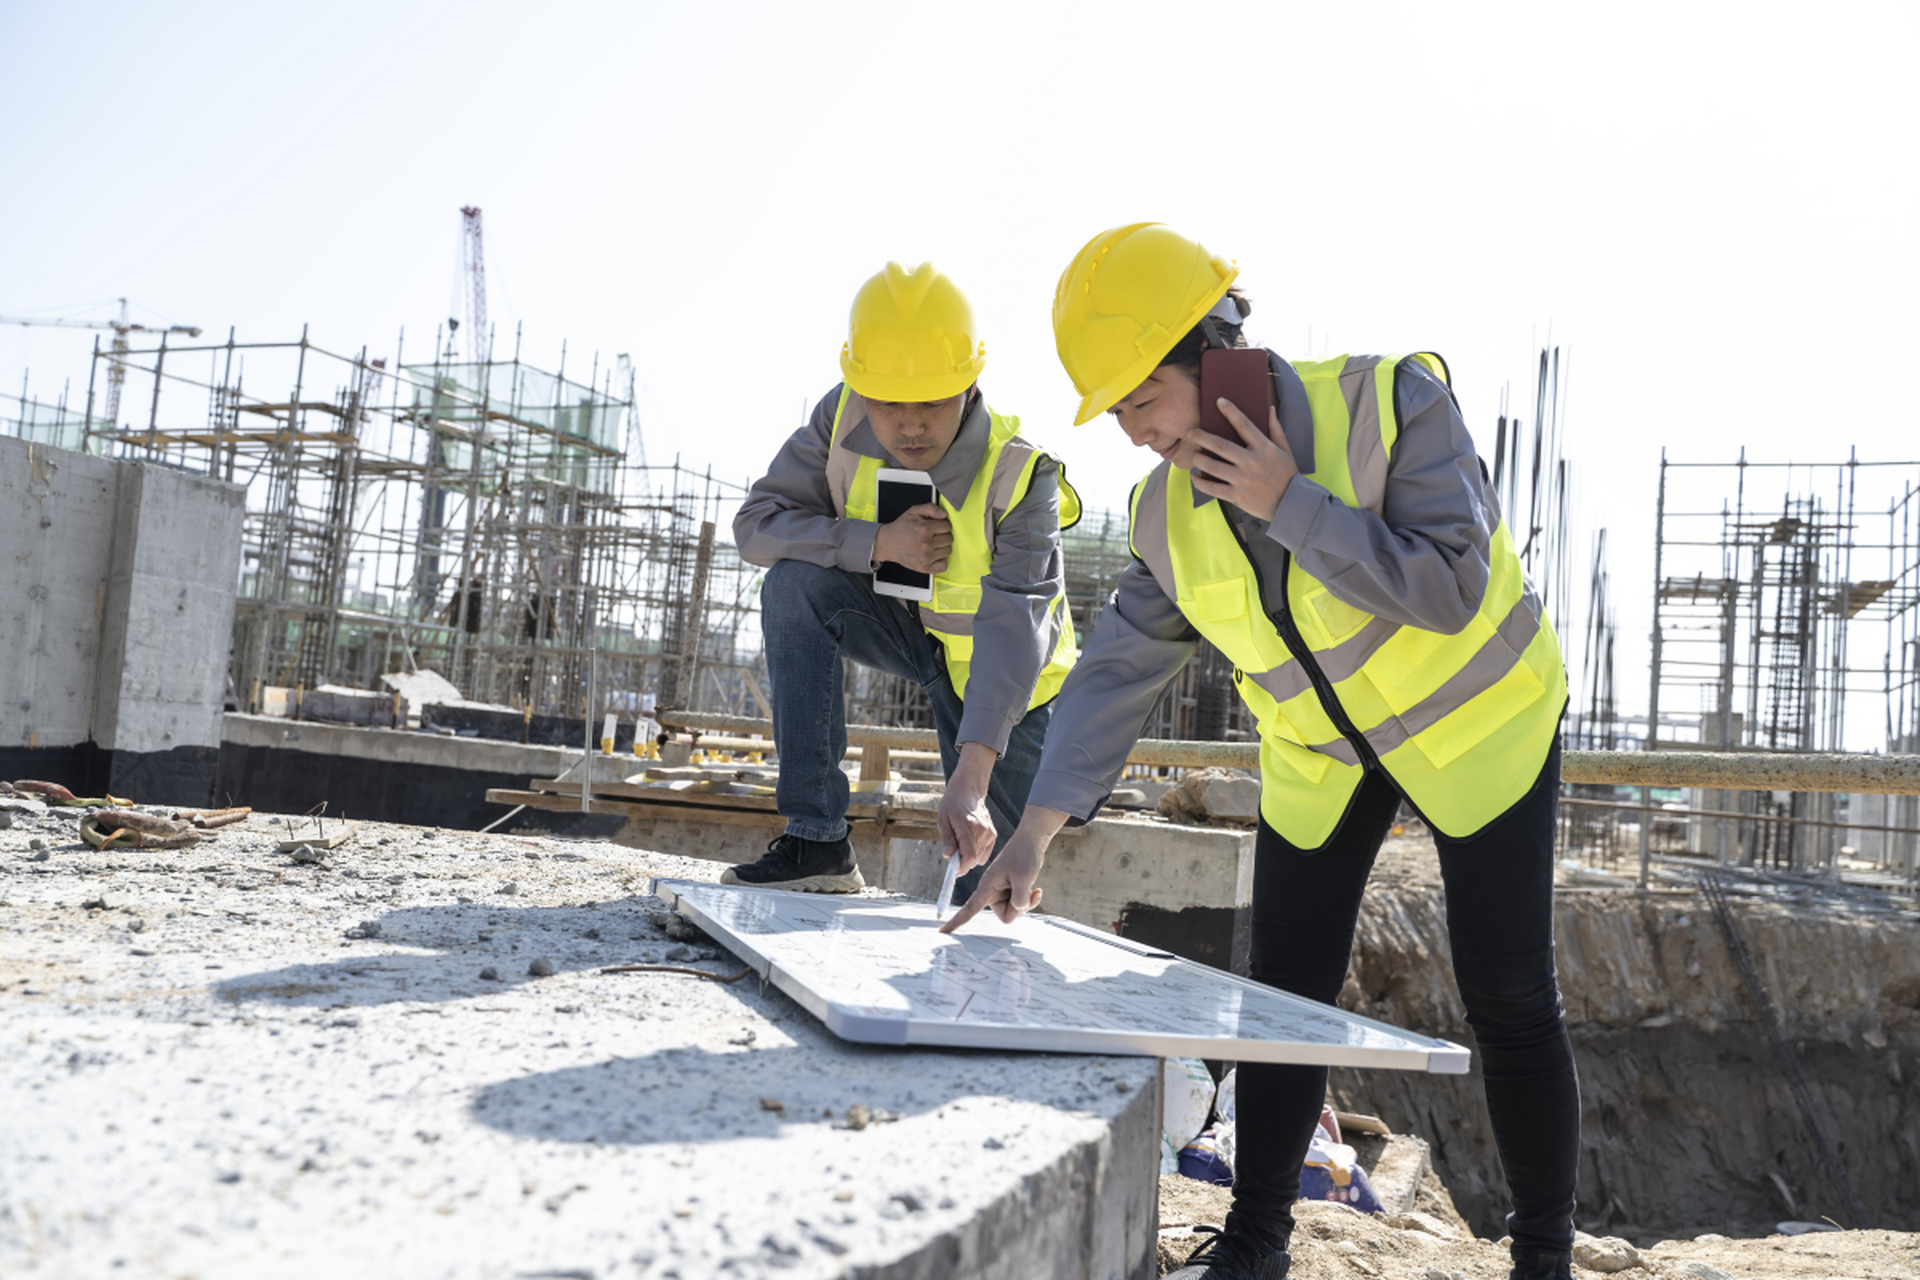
(1345, 554)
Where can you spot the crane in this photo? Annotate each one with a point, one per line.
(473, 261)
(116, 367)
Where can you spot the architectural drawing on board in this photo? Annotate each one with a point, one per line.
(878, 970)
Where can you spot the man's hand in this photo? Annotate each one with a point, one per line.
(920, 539)
(1254, 474)
(1008, 886)
(966, 828)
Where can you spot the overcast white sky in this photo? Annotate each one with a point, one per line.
(1711, 206)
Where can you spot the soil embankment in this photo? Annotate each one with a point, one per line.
(1688, 1120)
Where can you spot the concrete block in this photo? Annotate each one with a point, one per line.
(1186, 889)
(57, 524)
(168, 620)
(1397, 1170)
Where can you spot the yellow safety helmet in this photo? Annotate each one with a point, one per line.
(911, 337)
(1124, 301)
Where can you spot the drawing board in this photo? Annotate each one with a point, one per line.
(879, 971)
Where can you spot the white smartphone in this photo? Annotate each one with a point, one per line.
(901, 490)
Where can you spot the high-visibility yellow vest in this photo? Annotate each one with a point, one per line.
(1462, 723)
(1005, 474)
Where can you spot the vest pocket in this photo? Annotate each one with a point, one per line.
(1467, 725)
(1275, 748)
(955, 595)
(1220, 611)
(1339, 618)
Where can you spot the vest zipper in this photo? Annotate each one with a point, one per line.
(1298, 647)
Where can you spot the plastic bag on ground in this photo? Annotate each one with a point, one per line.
(1333, 1172)
(1203, 1160)
(1188, 1100)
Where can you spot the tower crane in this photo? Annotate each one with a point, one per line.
(473, 262)
(116, 366)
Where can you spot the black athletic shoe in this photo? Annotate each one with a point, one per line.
(809, 866)
(1234, 1255)
(1533, 1264)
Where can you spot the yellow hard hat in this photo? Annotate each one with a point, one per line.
(1124, 301)
(911, 337)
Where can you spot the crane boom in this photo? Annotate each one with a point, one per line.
(116, 366)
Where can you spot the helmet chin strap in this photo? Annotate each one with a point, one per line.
(1227, 313)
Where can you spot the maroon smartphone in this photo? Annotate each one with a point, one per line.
(1240, 376)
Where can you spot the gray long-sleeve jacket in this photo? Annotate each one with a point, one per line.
(789, 515)
(1422, 561)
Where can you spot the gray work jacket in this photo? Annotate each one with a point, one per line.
(1423, 561)
(789, 515)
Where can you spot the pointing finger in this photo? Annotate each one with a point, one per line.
(968, 911)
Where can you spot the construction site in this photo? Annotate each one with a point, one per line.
(406, 676)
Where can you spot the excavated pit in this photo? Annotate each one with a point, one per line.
(1688, 1120)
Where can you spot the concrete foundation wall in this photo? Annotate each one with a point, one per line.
(116, 603)
(56, 524)
(168, 619)
(389, 775)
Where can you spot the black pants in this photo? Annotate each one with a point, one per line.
(1499, 887)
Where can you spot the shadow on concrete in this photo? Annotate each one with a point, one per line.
(691, 1095)
(563, 935)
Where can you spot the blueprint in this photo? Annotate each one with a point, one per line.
(878, 970)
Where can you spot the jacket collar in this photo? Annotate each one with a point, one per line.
(954, 474)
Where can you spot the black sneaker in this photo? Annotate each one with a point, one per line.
(809, 866)
(1233, 1255)
(1536, 1264)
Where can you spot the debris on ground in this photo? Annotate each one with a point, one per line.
(1204, 796)
(127, 828)
(321, 840)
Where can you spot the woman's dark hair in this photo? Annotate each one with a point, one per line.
(1185, 355)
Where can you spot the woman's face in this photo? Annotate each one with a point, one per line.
(1163, 414)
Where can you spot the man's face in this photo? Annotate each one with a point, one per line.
(917, 433)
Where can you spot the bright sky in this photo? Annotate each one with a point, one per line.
(1712, 207)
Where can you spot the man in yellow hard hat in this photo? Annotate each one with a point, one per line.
(990, 647)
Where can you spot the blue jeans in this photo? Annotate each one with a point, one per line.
(812, 617)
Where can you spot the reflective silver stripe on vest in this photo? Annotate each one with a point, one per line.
(1342, 662)
(1288, 680)
(843, 463)
(1499, 655)
(1148, 534)
(1366, 449)
(1004, 486)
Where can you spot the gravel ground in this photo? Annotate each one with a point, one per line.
(206, 1074)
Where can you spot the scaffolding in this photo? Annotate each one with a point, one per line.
(480, 518)
(1776, 617)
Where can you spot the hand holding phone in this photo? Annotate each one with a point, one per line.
(1249, 463)
(920, 540)
(1240, 376)
(913, 526)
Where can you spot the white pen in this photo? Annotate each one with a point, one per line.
(944, 903)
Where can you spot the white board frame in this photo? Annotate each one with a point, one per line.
(1374, 1044)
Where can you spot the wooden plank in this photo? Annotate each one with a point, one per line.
(341, 835)
(643, 812)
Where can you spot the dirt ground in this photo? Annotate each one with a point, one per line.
(1334, 1242)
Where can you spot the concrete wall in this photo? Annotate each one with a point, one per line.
(116, 602)
(391, 775)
